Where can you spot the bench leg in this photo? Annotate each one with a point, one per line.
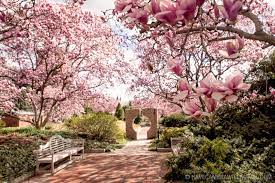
(52, 167)
(82, 154)
(37, 167)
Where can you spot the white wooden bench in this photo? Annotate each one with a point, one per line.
(57, 149)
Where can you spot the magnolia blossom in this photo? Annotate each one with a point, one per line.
(184, 86)
(211, 104)
(185, 90)
(231, 9)
(139, 15)
(208, 86)
(167, 11)
(235, 83)
(124, 5)
(233, 48)
(175, 66)
(192, 108)
(211, 92)
(186, 9)
(232, 85)
(171, 12)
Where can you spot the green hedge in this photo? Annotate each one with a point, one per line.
(96, 126)
(33, 132)
(16, 157)
(176, 120)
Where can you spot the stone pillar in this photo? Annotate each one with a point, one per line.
(130, 115)
(152, 114)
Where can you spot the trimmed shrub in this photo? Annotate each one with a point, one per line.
(96, 126)
(176, 120)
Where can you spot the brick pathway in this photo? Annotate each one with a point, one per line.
(131, 164)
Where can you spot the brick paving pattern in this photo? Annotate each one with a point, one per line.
(131, 164)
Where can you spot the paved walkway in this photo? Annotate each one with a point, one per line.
(131, 164)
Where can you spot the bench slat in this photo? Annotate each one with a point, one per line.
(58, 148)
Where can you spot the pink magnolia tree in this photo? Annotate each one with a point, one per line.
(199, 41)
(67, 54)
(102, 103)
(14, 17)
(164, 108)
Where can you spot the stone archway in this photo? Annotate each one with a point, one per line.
(152, 115)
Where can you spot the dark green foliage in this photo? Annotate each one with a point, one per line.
(16, 157)
(263, 75)
(119, 112)
(254, 119)
(240, 144)
(202, 156)
(138, 119)
(176, 120)
(96, 126)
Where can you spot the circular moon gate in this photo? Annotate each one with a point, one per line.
(150, 113)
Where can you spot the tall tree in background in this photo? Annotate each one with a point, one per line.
(65, 57)
(119, 112)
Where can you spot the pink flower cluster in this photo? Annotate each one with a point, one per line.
(205, 98)
(233, 48)
(172, 12)
(229, 10)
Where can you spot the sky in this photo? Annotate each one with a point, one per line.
(120, 91)
(99, 5)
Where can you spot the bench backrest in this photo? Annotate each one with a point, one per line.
(55, 144)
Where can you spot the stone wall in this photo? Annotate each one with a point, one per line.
(152, 115)
(130, 116)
